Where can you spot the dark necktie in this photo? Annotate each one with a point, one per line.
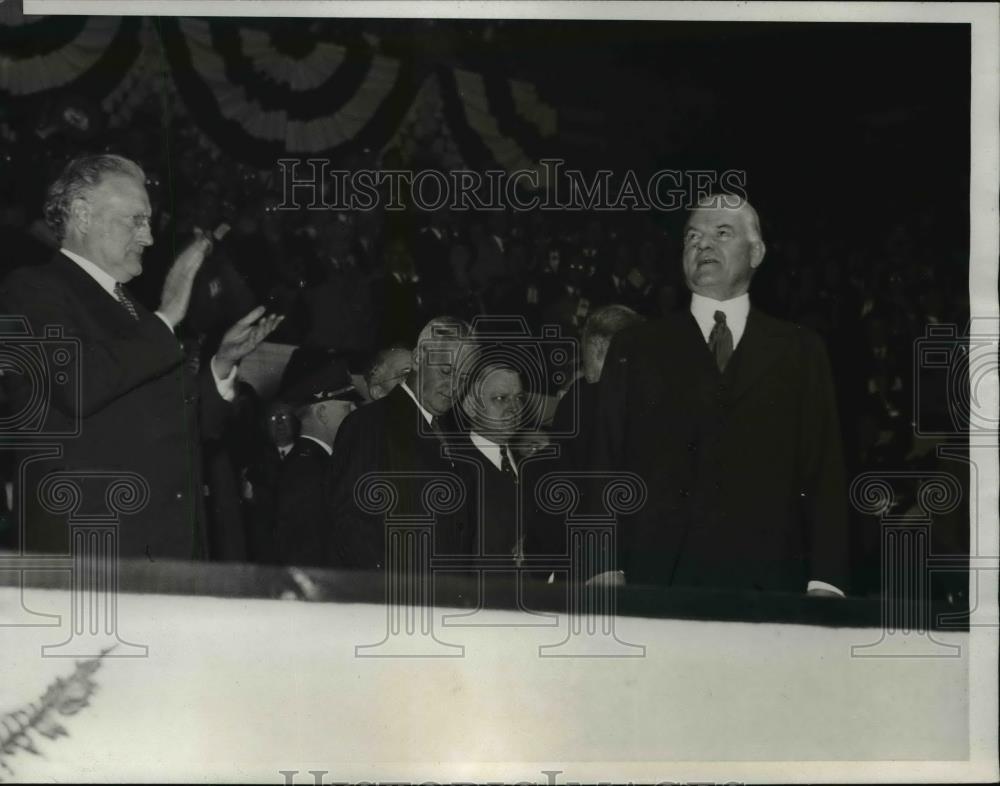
(720, 341)
(506, 467)
(124, 300)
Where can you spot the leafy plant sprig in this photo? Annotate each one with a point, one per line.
(23, 728)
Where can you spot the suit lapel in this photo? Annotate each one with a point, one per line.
(759, 349)
(696, 353)
(97, 300)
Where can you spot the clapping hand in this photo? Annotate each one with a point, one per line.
(176, 293)
(242, 339)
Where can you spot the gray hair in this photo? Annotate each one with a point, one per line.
(374, 371)
(444, 328)
(737, 204)
(78, 178)
(608, 320)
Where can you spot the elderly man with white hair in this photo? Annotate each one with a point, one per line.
(729, 417)
(129, 404)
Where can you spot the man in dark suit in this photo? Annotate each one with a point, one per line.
(324, 398)
(139, 406)
(492, 407)
(401, 433)
(729, 417)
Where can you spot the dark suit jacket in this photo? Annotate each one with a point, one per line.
(496, 503)
(300, 520)
(138, 411)
(743, 469)
(386, 436)
(573, 425)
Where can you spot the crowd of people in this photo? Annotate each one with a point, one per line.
(356, 291)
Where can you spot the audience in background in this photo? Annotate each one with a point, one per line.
(360, 286)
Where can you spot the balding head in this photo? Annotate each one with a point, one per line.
(722, 247)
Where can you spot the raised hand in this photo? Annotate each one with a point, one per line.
(242, 339)
(176, 293)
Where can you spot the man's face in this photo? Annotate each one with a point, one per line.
(719, 254)
(496, 403)
(281, 424)
(332, 414)
(117, 227)
(393, 371)
(438, 364)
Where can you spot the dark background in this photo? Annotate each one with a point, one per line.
(854, 138)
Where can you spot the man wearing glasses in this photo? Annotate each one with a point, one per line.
(136, 406)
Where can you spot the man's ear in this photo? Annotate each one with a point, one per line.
(757, 250)
(319, 412)
(80, 213)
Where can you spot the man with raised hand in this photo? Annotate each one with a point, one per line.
(131, 397)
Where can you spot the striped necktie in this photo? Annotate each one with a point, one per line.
(506, 467)
(124, 300)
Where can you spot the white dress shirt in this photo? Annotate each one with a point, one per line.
(736, 310)
(225, 385)
(321, 443)
(492, 451)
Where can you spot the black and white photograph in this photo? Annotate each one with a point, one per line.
(453, 392)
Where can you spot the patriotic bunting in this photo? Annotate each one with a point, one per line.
(263, 92)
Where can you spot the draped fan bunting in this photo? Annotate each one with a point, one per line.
(43, 57)
(260, 104)
(498, 122)
(260, 92)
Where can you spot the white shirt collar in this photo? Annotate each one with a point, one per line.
(736, 310)
(321, 443)
(102, 277)
(491, 450)
(427, 415)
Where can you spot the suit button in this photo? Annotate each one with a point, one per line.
(685, 492)
(179, 495)
(692, 446)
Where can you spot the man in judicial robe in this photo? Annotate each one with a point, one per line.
(401, 439)
(729, 417)
(323, 398)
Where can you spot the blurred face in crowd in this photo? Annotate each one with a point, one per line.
(495, 403)
(437, 366)
(281, 424)
(721, 251)
(393, 370)
(110, 226)
(330, 414)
